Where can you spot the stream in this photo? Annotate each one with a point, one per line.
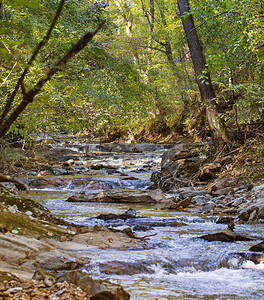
(175, 264)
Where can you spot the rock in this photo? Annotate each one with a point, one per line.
(130, 213)
(3, 228)
(201, 200)
(56, 260)
(98, 289)
(126, 195)
(81, 198)
(69, 163)
(260, 206)
(225, 191)
(208, 208)
(141, 228)
(59, 171)
(253, 218)
(194, 193)
(245, 213)
(220, 236)
(181, 204)
(257, 248)
(224, 220)
(178, 164)
(42, 275)
(125, 268)
(225, 237)
(239, 201)
(221, 183)
(208, 171)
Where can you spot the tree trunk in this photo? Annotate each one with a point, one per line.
(202, 76)
(28, 97)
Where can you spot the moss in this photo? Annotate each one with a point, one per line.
(25, 204)
(44, 224)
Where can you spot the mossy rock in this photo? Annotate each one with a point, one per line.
(28, 205)
(28, 217)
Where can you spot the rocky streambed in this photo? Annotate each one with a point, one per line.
(179, 242)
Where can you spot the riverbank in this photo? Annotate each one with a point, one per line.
(120, 173)
(32, 240)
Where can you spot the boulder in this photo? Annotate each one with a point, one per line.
(258, 247)
(130, 213)
(98, 289)
(225, 237)
(126, 195)
(180, 204)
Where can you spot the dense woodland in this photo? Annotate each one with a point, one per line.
(143, 68)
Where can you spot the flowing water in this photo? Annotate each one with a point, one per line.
(175, 264)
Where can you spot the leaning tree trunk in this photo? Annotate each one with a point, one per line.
(7, 117)
(202, 76)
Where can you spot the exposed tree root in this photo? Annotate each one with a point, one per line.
(19, 184)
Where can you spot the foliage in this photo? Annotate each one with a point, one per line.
(138, 71)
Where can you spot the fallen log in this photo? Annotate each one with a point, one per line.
(19, 184)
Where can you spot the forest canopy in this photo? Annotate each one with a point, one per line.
(136, 75)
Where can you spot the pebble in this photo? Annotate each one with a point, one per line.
(32, 289)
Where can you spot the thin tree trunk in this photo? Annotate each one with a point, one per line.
(11, 96)
(128, 20)
(29, 96)
(202, 76)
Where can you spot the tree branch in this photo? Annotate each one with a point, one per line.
(11, 96)
(30, 95)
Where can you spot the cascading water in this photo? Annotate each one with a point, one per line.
(176, 264)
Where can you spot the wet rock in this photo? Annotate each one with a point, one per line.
(126, 195)
(208, 208)
(98, 289)
(130, 213)
(240, 260)
(59, 171)
(224, 220)
(225, 237)
(201, 200)
(141, 228)
(81, 198)
(125, 268)
(257, 248)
